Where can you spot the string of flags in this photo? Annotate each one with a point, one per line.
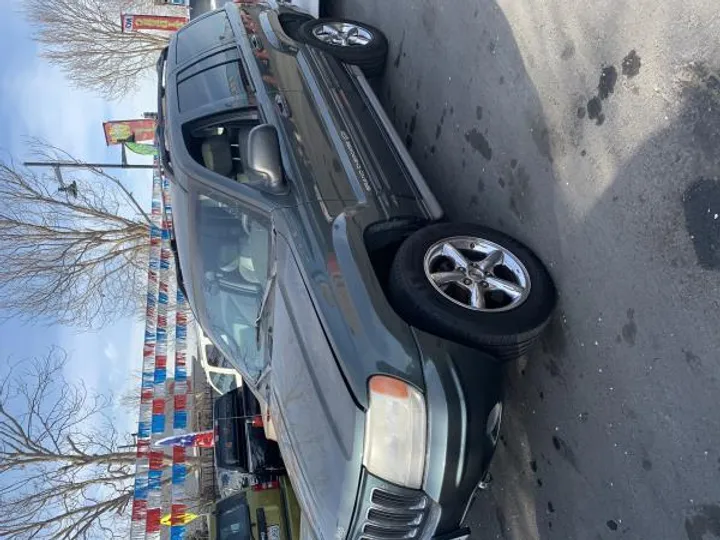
(155, 392)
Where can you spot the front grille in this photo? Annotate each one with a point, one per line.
(394, 514)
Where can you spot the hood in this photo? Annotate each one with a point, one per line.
(319, 426)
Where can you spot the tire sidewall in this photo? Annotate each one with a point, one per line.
(377, 48)
(429, 304)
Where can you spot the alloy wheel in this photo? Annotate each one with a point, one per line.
(477, 274)
(342, 34)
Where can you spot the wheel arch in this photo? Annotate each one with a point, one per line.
(384, 238)
(291, 21)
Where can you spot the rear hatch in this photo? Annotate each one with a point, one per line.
(259, 513)
(240, 442)
(231, 451)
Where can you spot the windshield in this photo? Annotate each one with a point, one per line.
(223, 382)
(233, 521)
(229, 273)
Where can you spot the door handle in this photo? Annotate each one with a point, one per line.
(255, 42)
(282, 105)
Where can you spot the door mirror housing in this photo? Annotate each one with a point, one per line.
(264, 162)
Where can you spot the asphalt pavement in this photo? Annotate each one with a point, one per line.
(591, 131)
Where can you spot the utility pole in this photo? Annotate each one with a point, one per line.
(75, 165)
(57, 165)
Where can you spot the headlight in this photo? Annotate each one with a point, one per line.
(395, 432)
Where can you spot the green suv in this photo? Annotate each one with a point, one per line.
(316, 258)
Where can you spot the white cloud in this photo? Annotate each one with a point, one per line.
(110, 351)
(49, 108)
(105, 361)
(38, 101)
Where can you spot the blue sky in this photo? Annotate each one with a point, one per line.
(37, 101)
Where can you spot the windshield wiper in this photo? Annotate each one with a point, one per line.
(263, 304)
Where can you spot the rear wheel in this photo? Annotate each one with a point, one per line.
(472, 285)
(351, 41)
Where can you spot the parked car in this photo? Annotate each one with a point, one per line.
(221, 374)
(199, 7)
(223, 377)
(243, 455)
(316, 258)
(267, 511)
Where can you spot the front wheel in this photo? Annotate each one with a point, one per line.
(351, 41)
(472, 285)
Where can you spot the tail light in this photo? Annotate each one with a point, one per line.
(266, 485)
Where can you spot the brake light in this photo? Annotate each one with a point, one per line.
(266, 485)
(257, 421)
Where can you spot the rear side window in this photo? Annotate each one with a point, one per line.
(219, 79)
(202, 35)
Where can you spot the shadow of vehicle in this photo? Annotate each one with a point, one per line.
(601, 433)
(475, 127)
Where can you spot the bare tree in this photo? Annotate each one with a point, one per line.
(73, 255)
(85, 39)
(66, 472)
(65, 475)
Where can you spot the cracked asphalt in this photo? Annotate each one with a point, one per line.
(591, 131)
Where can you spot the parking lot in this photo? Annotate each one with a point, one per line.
(590, 131)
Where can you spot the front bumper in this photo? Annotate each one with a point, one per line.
(463, 393)
(386, 511)
(463, 389)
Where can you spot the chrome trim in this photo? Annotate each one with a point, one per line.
(454, 269)
(332, 127)
(431, 203)
(463, 423)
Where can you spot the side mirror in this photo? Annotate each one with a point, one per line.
(264, 161)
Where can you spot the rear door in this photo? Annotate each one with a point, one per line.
(341, 156)
(310, 160)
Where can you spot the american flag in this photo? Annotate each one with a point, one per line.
(204, 439)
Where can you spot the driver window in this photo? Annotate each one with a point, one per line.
(236, 242)
(220, 144)
(234, 247)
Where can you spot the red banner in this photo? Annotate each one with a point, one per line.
(158, 406)
(120, 131)
(138, 23)
(153, 520)
(180, 402)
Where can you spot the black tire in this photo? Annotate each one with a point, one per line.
(370, 58)
(506, 335)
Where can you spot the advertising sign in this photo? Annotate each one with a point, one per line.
(138, 23)
(122, 131)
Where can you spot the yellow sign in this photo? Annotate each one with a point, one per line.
(187, 518)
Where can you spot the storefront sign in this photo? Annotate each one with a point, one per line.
(122, 131)
(139, 23)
